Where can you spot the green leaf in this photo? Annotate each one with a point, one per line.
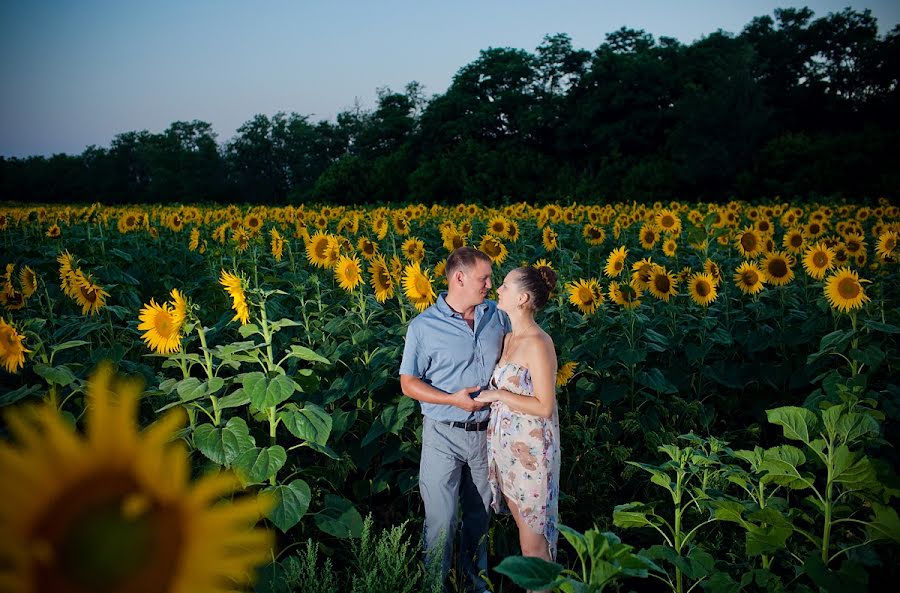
(283, 322)
(780, 465)
(306, 354)
(853, 426)
(885, 525)
(22, 392)
(531, 573)
(265, 393)
(882, 327)
(659, 477)
(766, 539)
(632, 514)
(60, 375)
(291, 503)
(67, 345)
(721, 582)
(575, 539)
(836, 340)
(235, 399)
(223, 445)
(258, 465)
(655, 380)
(310, 423)
(192, 388)
(727, 510)
(797, 423)
(391, 420)
(871, 356)
(339, 518)
(852, 468)
(248, 330)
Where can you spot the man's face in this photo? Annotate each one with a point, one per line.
(477, 282)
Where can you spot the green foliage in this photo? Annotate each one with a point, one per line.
(603, 560)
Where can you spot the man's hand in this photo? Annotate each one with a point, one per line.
(463, 399)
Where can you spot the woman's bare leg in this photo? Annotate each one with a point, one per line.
(532, 543)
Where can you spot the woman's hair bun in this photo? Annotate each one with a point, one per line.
(548, 276)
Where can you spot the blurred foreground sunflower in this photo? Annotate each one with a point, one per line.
(115, 510)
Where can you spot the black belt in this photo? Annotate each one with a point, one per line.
(467, 426)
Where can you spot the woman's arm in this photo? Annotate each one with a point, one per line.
(540, 357)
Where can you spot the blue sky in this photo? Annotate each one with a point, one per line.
(78, 73)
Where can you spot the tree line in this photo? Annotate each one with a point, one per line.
(792, 105)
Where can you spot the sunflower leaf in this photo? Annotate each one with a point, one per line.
(259, 464)
(339, 518)
(60, 375)
(310, 423)
(291, 503)
(306, 354)
(224, 445)
(797, 423)
(531, 573)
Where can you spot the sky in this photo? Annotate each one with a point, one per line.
(75, 74)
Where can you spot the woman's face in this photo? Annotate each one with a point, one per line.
(509, 295)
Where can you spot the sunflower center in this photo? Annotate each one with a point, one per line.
(702, 289)
(163, 323)
(748, 242)
(423, 288)
(819, 259)
(667, 221)
(618, 265)
(749, 278)
(89, 294)
(778, 268)
(662, 283)
(107, 537)
(585, 295)
(849, 288)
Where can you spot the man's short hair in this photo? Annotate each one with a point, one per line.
(464, 258)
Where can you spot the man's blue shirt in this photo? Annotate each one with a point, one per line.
(443, 351)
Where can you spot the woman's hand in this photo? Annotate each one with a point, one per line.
(488, 396)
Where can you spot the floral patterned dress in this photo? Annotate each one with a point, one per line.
(523, 457)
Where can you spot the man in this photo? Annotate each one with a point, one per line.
(450, 352)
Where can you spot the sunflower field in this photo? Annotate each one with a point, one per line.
(727, 391)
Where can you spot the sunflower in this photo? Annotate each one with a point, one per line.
(649, 235)
(615, 263)
(542, 263)
(593, 234)
(453, 241)
(413, 249)
(161, 327)
(702, 288)
(844, 290)
(12, 353)
(777, 268)
(549, 237)
(253, 223)
(748, 242)
(749, 278)
(887, 243)
(565, 373)
(585, 294)
(793, 240)
(241, 238)
(277, 244)
(494, 248)
(27, 281)
(626, 295)
(382, 283)
(512, 230)
(670, 247)
(234, 287)
(662, 283)
(818, 260)
(114, 510)
(367, 248)
(854, 243)
(348, 273)
(641, 271)
(88, 294)
(317, 249)
(668, 221)
(401, 224)
(417, 287)
(498, 227)
(380, 227)
(195, 240)
(53, 232)
(712, 268)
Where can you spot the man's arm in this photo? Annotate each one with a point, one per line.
(421, 391)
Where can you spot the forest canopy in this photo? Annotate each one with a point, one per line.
(792, 105)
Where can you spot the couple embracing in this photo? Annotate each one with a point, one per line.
(485, 375)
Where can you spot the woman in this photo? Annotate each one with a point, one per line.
(523, 433)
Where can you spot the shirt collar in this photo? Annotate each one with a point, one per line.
(447, 310)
